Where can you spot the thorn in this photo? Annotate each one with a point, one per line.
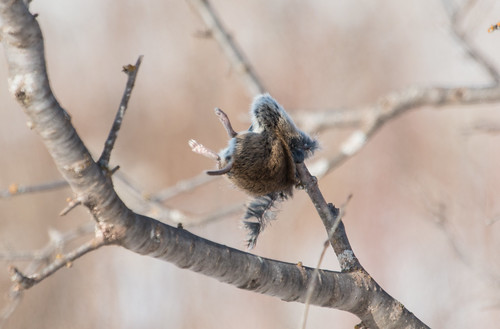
(112, 171)
(72, 204)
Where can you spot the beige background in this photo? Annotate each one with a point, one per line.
(425, 166)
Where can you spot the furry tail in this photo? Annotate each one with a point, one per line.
(263, 209)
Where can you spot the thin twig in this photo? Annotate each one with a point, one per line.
(456, 20)
(152, 204)
(57, 241)
(131, 71)
(314, 276)
(216, 215)
(182, 186)
(147, 203)
(72, 204)
(312, 284)
(22, 281)
(395, 104)
(14, 298)
(369, 120)
(329, 215)
(16, 189)
(36, 258)
(233, 53)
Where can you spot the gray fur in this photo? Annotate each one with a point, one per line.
(263, 158)
(261, 161)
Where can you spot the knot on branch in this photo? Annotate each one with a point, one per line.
(20, 280)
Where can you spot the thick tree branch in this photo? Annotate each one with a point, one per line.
(28, 82)
(376, 306)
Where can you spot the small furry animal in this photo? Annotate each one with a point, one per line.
(261, 160)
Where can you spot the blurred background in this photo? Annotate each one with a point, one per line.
(425, 189)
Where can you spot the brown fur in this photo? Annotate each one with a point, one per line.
(261, 164)
(262, 159)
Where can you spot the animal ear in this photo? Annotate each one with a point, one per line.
(222, 171)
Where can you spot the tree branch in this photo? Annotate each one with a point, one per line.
(29, 83)
(38, 258)
(371, 119)
(57, 241)
(377, 309)
(352, 290)
(25, 282)
(314, 278)
(329, 215)
(131, 71)
(15, 189)
(457, 17)
(233, 53)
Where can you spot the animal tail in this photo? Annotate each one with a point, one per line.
(263, 209)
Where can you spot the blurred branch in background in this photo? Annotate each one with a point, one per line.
(458, 28)
(38, 259)
(229, 47)
(16, 189)
(350, 256)
(370, 120)
(367, 121)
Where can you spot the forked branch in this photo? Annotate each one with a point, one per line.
(352, 290)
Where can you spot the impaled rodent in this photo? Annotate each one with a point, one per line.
(261, 160)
